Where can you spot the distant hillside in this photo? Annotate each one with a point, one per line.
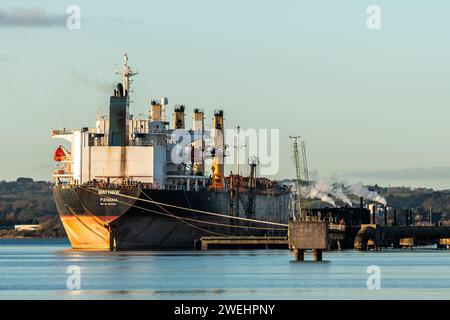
(25, 201)
(423, 200)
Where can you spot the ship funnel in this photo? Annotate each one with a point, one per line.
(178, 117)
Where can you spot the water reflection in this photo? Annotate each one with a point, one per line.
(38, 270)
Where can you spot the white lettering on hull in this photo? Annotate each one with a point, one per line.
(108, 201)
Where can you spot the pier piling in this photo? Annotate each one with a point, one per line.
(317, 254)
(299, 254)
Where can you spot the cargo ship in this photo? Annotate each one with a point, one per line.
(134, 183)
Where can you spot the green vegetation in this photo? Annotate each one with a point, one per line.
(421, 200)
(25, 201)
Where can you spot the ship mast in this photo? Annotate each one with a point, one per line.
(127, 73)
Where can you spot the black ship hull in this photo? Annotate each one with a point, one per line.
(138, 218)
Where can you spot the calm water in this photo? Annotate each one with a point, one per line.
(36, 269)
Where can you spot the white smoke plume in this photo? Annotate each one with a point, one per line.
(361, 191)
(325, 191)
(316, 194)
(339, 193)
(329, 189)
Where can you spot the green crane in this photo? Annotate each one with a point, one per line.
(302, 177)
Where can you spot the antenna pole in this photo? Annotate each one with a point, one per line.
(238, 148)
(127, 73)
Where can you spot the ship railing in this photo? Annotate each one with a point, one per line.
(185, 188)
(56, 132)
(337, 227)
(102, 141)
(64, 184)
(124, 185)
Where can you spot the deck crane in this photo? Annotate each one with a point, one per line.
(302, 177)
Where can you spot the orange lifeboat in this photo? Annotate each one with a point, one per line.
(60, 154)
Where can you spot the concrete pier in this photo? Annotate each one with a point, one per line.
(308, 235)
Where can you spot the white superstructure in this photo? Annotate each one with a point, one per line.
(121, 149)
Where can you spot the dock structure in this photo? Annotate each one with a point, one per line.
(320, 235)
(336, 234)
(308, 235)
(241, 242)
(444, 243)
(400, 236)
(407, 243)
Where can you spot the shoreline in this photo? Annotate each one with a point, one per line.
(13, 234)
(30, 237)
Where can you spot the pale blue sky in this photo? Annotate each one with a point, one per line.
(364, 100)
